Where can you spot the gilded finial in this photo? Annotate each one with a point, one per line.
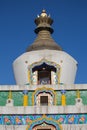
(44, 14)
(43, 29)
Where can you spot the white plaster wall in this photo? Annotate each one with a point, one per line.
(67, 63)
(43, 109)
(34, 87)
(64, 127)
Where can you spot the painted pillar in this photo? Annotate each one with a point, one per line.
(10, 95)
(29, 80)
(63, 98)
(78, 94)
(25, 98)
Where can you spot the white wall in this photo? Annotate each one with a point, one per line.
(64, 127)
(68, 65)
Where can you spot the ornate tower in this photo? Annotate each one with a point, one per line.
(45, 97)
(44, 61)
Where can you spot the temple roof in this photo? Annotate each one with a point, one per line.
(44, 31)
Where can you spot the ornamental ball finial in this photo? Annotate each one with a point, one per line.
(44, 14)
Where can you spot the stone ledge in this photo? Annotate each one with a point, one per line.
(64, 126)
(34, 87)
(43, 109)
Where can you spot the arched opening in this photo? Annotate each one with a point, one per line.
(44, 97)
(44, 73)
(44, 126)
(44, 123)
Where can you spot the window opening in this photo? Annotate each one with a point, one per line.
(44, 76)
(44, 73)
(43, 129)
(44, 100)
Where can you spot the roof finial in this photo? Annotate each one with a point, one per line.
(44, 14)
(43, 22)
(44, 29)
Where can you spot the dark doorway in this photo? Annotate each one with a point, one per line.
(43, 129)
(44, 76)
(44, 100)
(44, 73)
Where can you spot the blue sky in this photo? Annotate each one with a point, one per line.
(17, 25)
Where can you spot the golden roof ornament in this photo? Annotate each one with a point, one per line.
(43, 14)
(44, 31)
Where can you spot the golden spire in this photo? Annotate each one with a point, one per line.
(44, 31)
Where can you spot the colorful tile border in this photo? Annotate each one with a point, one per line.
(27, 119)
(44, 119)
